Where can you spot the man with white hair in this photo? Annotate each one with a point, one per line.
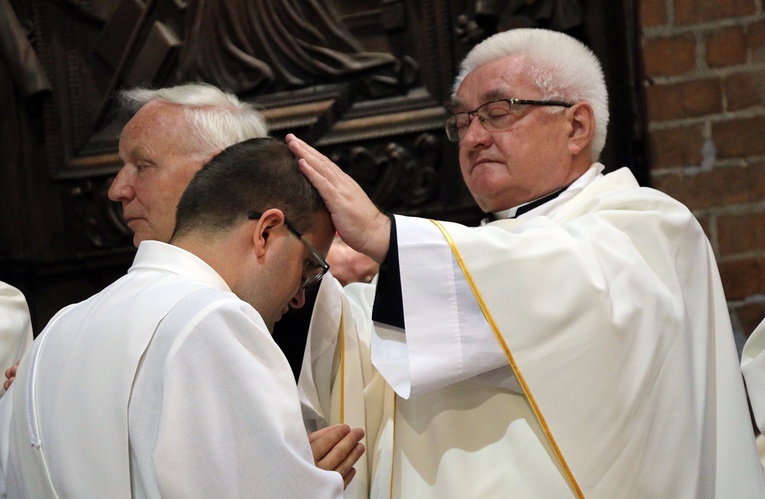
(174, 131)
(579, 344)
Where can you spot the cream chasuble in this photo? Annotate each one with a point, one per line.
(611, 308)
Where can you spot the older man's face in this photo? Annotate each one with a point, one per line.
(530, 159)
(159, 162)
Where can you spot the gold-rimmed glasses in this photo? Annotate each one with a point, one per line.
(494, 116)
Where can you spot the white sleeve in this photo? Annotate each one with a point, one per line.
(316, 372)
(451, 339)
(230, 423)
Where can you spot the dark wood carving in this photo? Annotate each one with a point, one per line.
(364, 80)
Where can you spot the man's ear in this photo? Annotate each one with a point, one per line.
(582, 127)
(266, 225)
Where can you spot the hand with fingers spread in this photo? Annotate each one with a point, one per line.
(358, 221)
(337, 448)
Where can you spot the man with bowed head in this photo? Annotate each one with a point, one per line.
(172, 133)
(187, 395)
(579, 344)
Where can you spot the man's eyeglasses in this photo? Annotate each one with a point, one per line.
(312, 273)
(495, 116)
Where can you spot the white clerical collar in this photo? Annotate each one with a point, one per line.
(550, 203)
(164, 257)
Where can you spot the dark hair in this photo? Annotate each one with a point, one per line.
(257, 174)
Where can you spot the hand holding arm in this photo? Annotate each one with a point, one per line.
(358, 221)
(337, 448)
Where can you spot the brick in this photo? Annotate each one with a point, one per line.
(653, 13)
(740, 137)
(702, 11)
(726, 47)
(679, 146)
(716, 187)
(742, 278)
(684, 100)
(750, 315)
(755, 40)
(669, 56)
(744, 90)
(743, 233)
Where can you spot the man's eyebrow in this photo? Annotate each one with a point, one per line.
(455, 105)
(494, 95)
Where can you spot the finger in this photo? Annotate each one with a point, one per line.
(344, 453)
(329, 179)
(318, 162)
(324, 441)
(302, 150)
(350, 461)
(318, 433)
(11, 371)
(327, 189)
(8, 382)
(348, 477)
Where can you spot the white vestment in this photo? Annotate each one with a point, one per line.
(753, 367)
(608, 304)
(163, 384)
(15, 326)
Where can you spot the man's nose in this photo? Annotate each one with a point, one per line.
(475, 134)
(121, 188)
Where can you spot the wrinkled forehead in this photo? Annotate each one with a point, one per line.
(159, 124)
(156, 116)
(503, 78)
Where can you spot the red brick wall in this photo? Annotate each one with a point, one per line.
(704, 76)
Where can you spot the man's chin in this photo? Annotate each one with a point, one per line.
(138, 238)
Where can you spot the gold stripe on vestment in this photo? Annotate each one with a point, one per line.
(341, 346)
(393, 448)
(516, 370)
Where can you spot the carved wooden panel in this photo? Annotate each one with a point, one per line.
(364, 80)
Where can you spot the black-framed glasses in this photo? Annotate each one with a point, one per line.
(312, 273)
(495, 116)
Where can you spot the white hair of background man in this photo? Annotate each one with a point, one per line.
(219, 119)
